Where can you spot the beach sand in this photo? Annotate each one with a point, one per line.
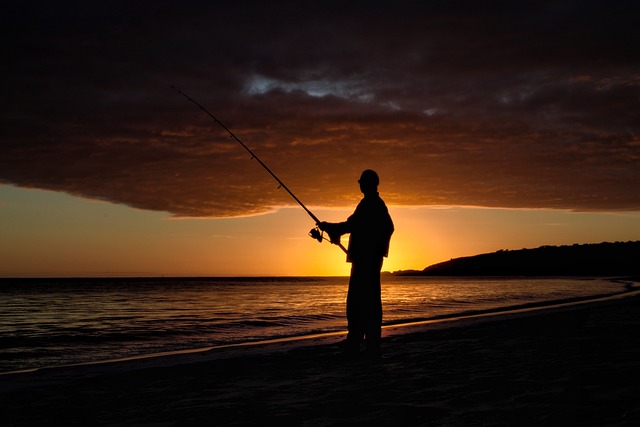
(577, 366)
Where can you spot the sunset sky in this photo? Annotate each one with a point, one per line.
(493, 125)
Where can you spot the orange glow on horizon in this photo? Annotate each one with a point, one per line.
(77, 237)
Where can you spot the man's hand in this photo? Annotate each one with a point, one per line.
(330, 229)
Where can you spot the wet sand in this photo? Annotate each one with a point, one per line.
(574, 366)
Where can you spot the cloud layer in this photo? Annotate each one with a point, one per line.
(519, 104)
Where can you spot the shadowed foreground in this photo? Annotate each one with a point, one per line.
(572, 368)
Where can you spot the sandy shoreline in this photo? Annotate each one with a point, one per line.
(550, 367)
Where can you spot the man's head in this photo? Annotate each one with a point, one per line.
(369, 181)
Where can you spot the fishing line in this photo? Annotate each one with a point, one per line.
(314, 233)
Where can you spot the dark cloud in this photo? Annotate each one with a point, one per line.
(512, 104)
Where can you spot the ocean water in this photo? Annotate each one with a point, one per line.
(52, 322)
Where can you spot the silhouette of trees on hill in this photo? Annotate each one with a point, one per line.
(602, 259)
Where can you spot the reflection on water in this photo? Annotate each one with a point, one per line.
(51, 322)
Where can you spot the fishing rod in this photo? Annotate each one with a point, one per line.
(315, 233)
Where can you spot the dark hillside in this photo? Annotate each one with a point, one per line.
(603, 259)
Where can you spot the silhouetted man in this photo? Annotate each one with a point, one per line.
(370, 227)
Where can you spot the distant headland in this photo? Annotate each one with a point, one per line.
(601, 259)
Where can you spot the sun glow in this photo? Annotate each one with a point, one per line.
(78, 237)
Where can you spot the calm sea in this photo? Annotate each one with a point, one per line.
(50, 322)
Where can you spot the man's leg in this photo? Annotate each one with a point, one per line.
(373, 328)
(355, 319)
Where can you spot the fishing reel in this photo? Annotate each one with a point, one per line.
(316, 234)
